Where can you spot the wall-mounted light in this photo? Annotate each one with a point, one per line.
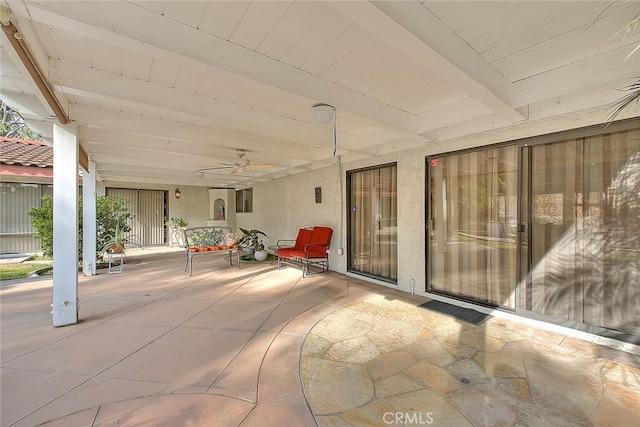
(177, 194)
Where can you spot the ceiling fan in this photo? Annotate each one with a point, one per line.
(240, 165)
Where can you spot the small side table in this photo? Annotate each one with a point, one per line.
(111, 257)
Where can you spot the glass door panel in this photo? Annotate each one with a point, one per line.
(584, 260)
(373, 233)
(473, 217)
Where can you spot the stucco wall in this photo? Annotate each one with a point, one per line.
(282, 206)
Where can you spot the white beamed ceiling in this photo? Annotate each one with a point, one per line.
(159, 89)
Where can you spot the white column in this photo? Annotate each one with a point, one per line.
(89, 220)
(65, 225)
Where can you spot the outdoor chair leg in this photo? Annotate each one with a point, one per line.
(305, 269)
(186, 264)
(231, 257)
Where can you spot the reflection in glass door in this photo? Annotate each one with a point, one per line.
(584, 216)
(372, 238)
(472, 225)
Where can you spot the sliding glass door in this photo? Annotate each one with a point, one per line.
(372, 236)
(472, 225)
(546, 229)
(584, 260)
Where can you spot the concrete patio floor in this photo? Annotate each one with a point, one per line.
(260, 347)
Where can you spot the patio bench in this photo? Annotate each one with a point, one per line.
(311, 247)
(209, 240)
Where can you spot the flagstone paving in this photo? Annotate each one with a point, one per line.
(383, 361)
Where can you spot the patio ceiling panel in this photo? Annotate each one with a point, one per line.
(92, 82)
(527, 20)
(164, 73)
(580, 76)
(257, 22)
(411, 28)
(297, 21)
(188, 12)
(133, 23)
(125, 173)
(200, 154)
(553, 46)
(104, 56)
(158, 128)
(195, 80)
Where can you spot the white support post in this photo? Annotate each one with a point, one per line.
(65, 226)
(89, 220)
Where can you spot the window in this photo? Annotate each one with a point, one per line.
(244, 200)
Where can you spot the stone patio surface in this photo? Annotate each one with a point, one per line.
(258, 346)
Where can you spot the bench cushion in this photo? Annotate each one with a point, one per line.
(304, 237)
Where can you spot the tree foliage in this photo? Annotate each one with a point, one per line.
(12, 124)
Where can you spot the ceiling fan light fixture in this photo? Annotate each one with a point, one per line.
(323, 113)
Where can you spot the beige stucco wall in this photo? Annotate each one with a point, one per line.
(282, 206)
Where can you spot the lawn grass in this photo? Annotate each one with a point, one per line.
(20, 270)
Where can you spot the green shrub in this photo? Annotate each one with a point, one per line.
(42, 221)
(110, 213)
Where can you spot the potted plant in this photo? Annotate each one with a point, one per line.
(176, 227)
(116, 241)
(251, 242)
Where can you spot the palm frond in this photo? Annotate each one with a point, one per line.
(632, 25)
(624, 102)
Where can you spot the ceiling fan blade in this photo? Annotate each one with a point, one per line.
(215, 168)
(261, 167)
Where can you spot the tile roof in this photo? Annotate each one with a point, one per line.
(14, 151)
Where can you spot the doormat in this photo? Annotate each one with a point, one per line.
(465, 314)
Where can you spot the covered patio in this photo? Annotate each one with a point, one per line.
(263, 347)
(210, 110)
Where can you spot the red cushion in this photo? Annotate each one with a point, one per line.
(321, 236)
(312, 255)
(304, 237)
(284, 252)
